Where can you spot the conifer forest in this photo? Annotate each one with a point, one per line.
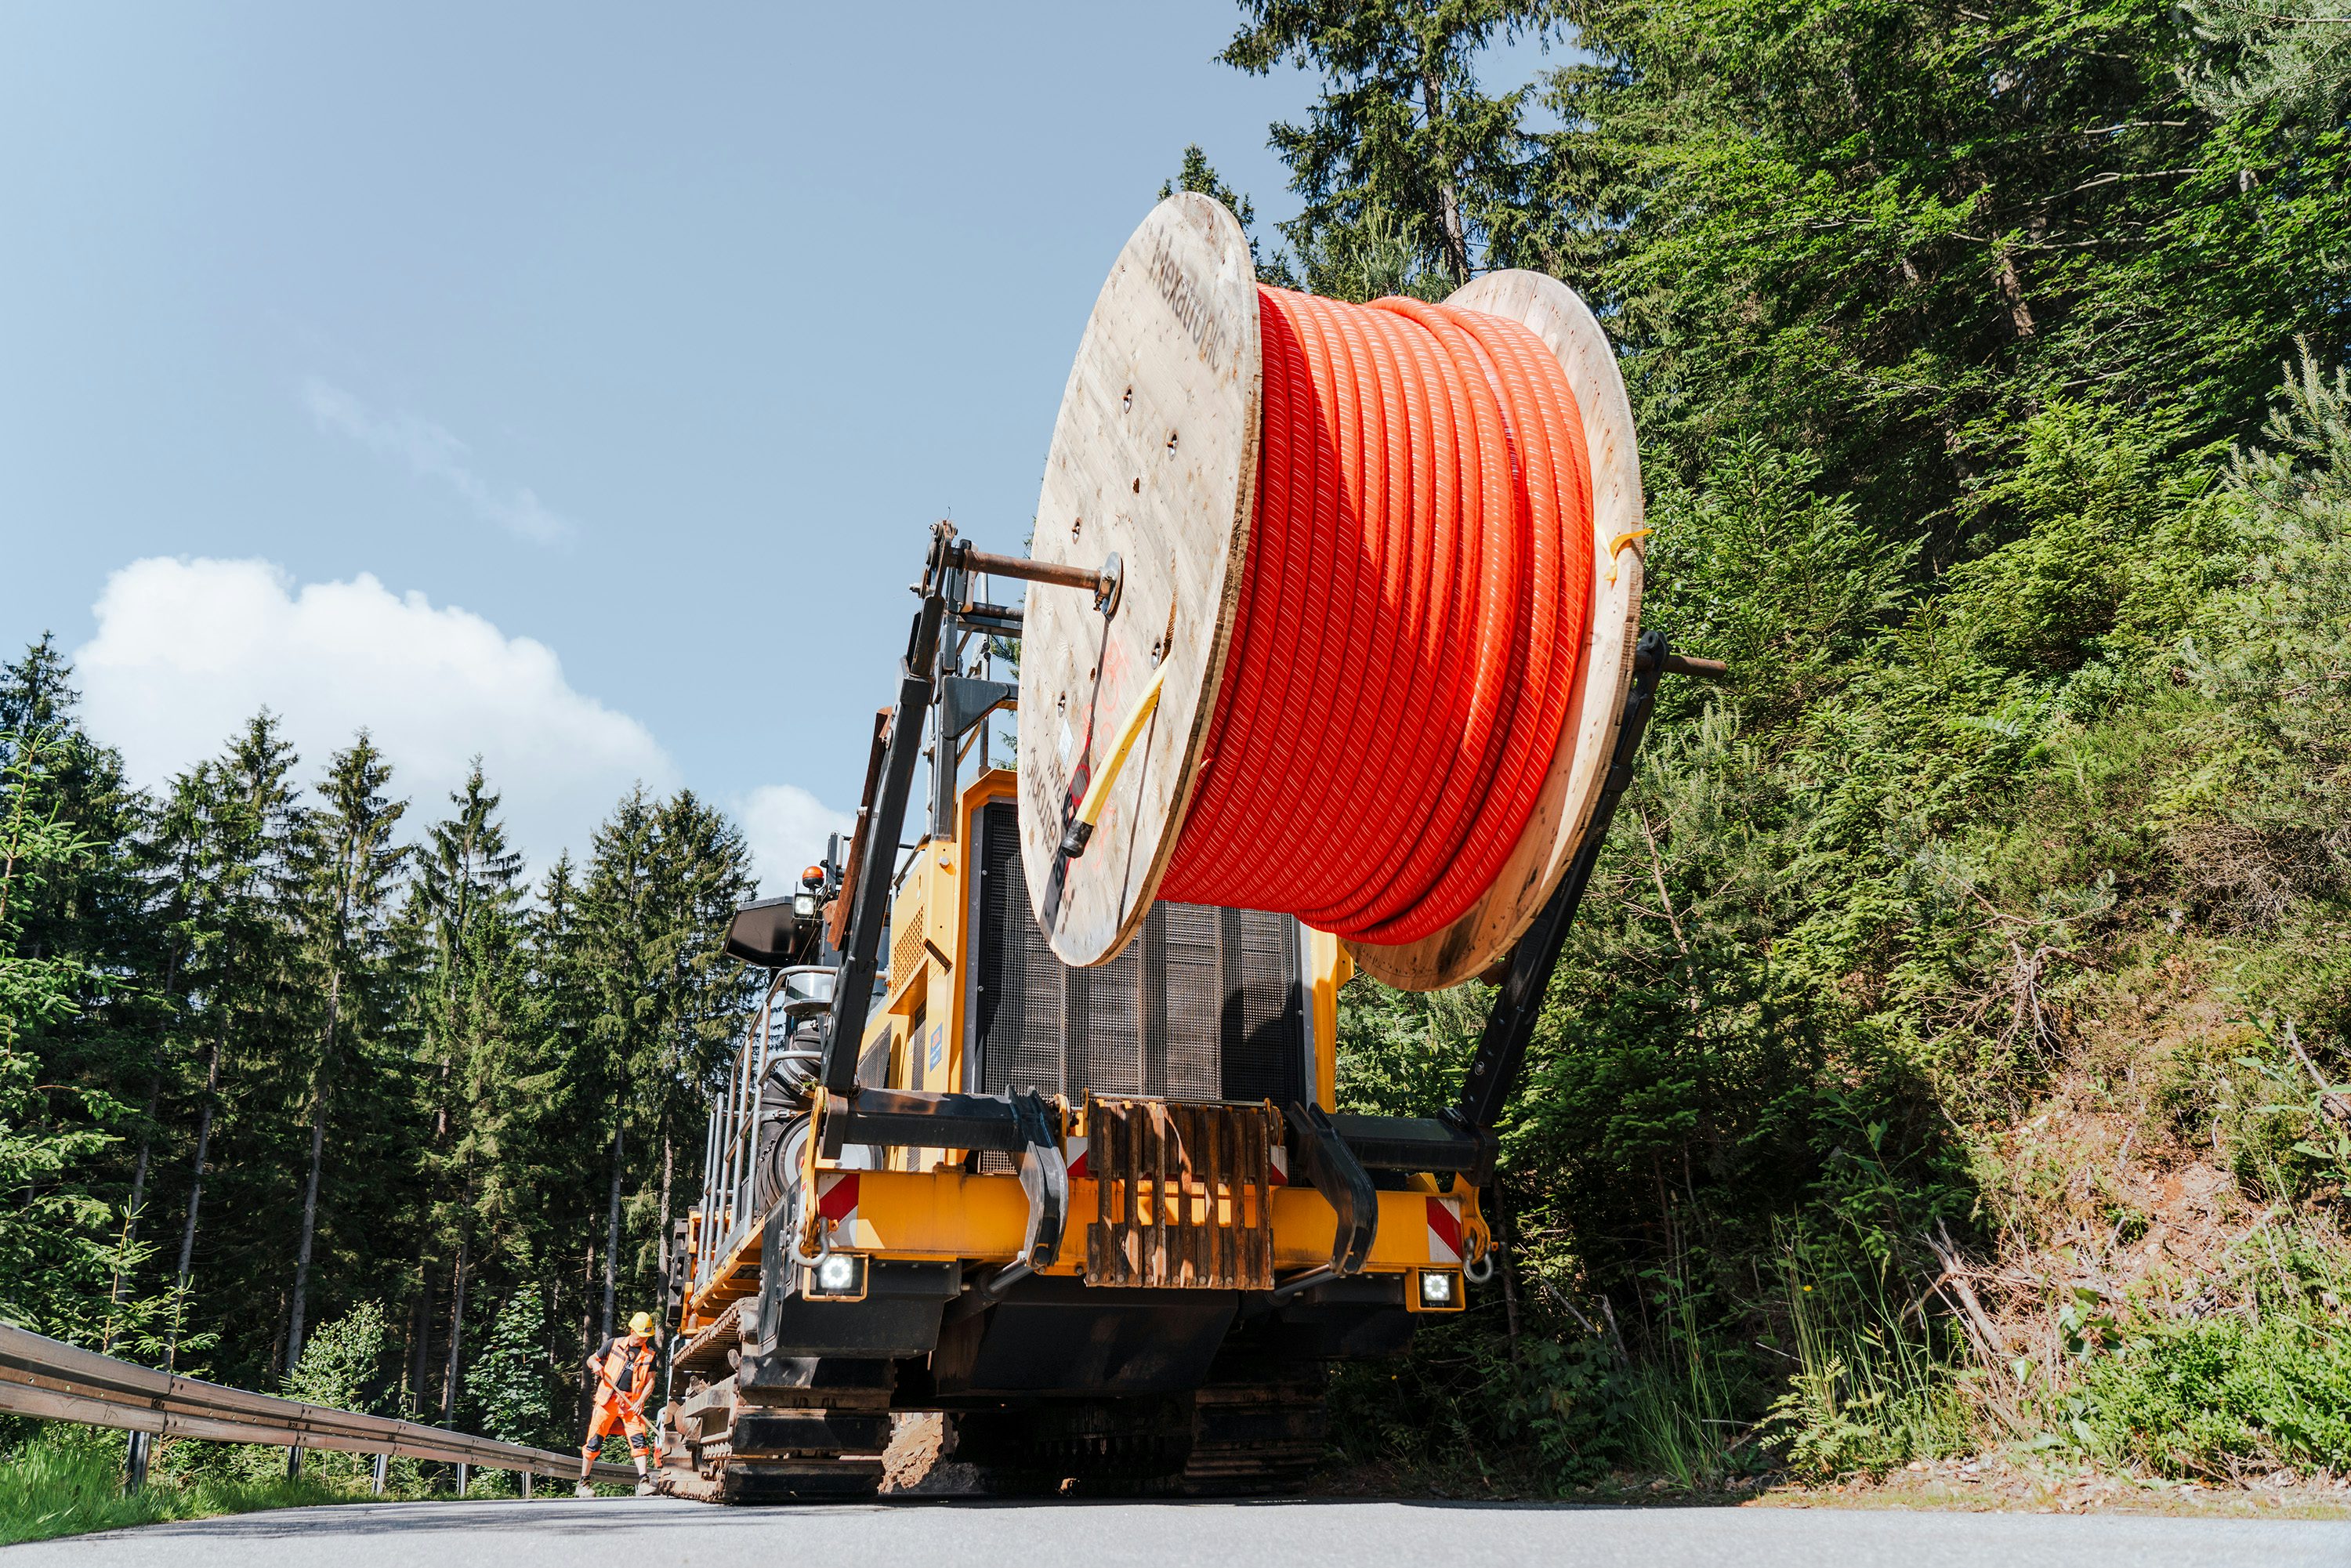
(1955, 1051)
(284, 1046)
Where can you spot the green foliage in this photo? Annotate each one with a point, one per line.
(346, 1364)
(1402, 1053)
(1871, 1389)
(1892, 234)
(2208, 1397)
(1407, 168)
(1941, 325)
(1757, 567)
(54, 1246)
(68, 1481)
(508, 1385)
(343, 1363)
(262, 1065)
(2291, 1125)
(2292, 61)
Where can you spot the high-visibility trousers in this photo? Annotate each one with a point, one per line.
(610, 1415)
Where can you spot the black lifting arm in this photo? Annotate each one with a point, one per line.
(869, 909)
(876, 1115)
(1461, 1138)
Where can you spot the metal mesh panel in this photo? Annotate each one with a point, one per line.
(1111, 1059)
(1203, 1006)
(1261, 1039)
(1017, 1029)
(906, 949)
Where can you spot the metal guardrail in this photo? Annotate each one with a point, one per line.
(48, 1379)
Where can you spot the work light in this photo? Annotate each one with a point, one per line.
(837, 1276)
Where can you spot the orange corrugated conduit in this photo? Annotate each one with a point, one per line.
(1416, 593)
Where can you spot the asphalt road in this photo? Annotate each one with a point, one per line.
(1297, 1535)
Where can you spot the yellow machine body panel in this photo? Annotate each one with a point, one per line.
(926, 1205)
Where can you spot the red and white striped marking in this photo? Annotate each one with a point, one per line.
(836, 1199)
(1445, 1230)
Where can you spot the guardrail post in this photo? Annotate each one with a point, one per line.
(382, 1463)
(526, 1486)
(293, 1461)
(463, 1469)
(134, 1463)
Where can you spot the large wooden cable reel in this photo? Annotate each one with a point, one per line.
(1154, 460)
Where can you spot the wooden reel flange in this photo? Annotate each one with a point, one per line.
(1154, 460)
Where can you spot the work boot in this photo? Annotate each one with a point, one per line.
(644, 1488)
(583, 1489)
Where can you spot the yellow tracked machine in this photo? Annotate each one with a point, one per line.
(1057, 1160)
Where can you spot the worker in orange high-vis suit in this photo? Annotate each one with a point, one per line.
(622, 1367)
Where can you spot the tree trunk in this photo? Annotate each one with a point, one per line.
(1454, 236)
(2011, 288)
(311, 1189)
(130, 1210)
(195, 1197)
(420, 1346)
(612, 1235)
(309, 1230)
(146, 1145)
(661, 1235)
(1506, 1264)
(2003, 267)
(457, 1333)
(586, 1294)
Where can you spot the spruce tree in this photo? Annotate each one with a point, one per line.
(92, 917)
(1407, 165)
(462, 907)
(53, 1235)
(1894, 237)
(619, 928)
(241, 827)
(654, 911)
(1199, 176)
(351, 867)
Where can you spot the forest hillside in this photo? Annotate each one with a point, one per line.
(1951, 1059)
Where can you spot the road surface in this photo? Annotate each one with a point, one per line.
(1281, 1534)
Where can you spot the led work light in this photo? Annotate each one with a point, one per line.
(837, 1276)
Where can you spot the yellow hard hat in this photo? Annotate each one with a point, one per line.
(641, 1323)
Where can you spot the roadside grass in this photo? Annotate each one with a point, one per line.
(64, 1481)
(50, 1488)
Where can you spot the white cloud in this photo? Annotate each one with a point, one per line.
(187, 650)
(433, 452)
(786, 827)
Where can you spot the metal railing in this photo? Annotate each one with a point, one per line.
(60, 1382)
(730, 1175)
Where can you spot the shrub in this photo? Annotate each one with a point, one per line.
(2215, 1396)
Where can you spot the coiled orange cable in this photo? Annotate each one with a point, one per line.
(1416, 593)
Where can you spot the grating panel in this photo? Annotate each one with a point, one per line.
(1183, 1194)
(1204, 1005)
(906, 949)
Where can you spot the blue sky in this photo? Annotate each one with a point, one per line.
(573, 384)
